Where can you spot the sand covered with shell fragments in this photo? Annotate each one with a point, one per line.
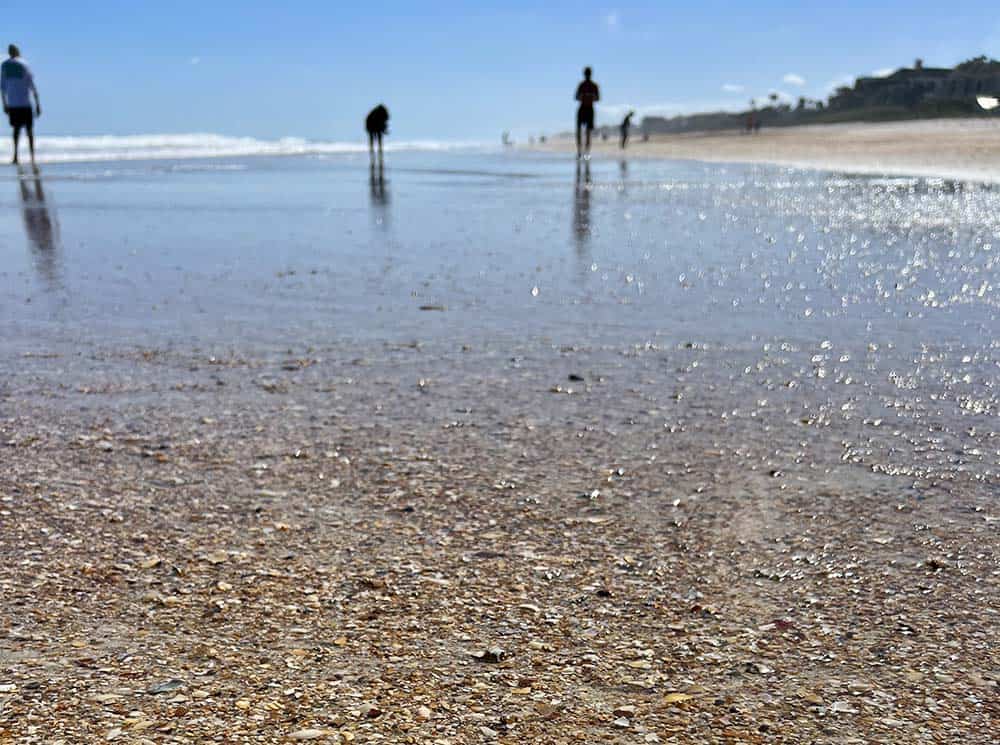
(281, 550)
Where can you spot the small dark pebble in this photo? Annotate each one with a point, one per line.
(492, 655)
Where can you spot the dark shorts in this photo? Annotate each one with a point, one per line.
(21, 116)
(585, 117)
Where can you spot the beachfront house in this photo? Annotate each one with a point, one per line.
(913, 87)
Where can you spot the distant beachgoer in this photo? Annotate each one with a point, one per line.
(377, 125)
(626, 125)
(16, 87)
(587, 93)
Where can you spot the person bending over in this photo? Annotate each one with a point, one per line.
(377, 125)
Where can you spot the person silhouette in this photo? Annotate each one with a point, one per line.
(587, 93)
(377, 125)
(625, 126)
(17, 85)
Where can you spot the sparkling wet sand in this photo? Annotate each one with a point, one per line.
(668, 456)
(275, 549)
(947, 148)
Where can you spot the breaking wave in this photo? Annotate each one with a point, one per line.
(192, 146)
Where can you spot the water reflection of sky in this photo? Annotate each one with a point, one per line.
(875, 299)
(664, 243)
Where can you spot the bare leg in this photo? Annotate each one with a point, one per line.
(380, 158)
(579, 148)
(17, 138)
(371, 146)
(31, 141)
(589, 130)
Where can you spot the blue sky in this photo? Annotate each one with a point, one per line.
(450, 70)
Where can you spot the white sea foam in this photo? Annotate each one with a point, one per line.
(192, 146)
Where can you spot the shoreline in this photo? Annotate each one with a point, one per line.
(958, 149)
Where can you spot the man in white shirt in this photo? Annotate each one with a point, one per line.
(16, 88)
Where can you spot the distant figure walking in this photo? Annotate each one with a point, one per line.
(16, 87)
(626, 125)
(377, 125)
(587, 93)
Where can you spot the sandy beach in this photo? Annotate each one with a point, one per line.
(225, 565)
(496, 450)
(963, 149)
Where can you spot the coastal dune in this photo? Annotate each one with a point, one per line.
(966, 149)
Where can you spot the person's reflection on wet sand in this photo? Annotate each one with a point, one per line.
(622, 175)
(40, 226)
(581, 207)
(379, 193)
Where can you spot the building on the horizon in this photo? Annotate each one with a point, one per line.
(907, 93)
(910, 88)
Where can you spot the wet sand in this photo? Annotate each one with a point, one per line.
(728, 476)
(965, 149)
(258, 550)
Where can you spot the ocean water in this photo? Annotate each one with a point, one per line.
(781, 303)
(117, 148)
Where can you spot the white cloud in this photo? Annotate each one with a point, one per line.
(196, 60)
(793, 79)
(612, 21)
(733, 88)
(884, 72)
